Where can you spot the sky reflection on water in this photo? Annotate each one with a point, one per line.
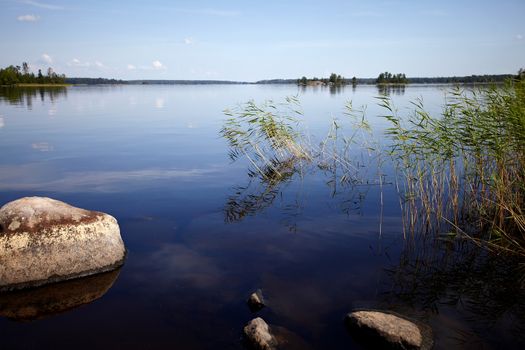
(152, 157)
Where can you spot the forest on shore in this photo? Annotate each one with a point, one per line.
(15, 75)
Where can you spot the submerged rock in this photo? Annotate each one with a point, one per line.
(258, 333)
(43, 240)
(389, 330)
(49, 300)
(256, 301)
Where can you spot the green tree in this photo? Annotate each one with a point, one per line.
(333, 78)
(25, 68)
(381, 78)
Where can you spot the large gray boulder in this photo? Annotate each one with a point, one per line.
(389, 330)
(43, 240)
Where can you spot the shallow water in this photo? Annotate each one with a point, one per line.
(152, 157)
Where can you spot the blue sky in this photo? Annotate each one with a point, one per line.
(251, 40)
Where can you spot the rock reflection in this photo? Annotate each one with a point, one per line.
(52, 299)
(21, 96)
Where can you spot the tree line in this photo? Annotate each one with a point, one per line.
(389, 78)
(334, 79)
(13, 75)
(399, 79)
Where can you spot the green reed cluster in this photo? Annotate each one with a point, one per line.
(459, 173)
(464, 171)
(267, 135)
(270, 137)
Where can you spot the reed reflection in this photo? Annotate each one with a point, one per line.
(269, 137)
(437, 278)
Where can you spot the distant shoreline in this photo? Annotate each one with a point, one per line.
(361, 81)
(478, 79)
(41, 85)
(37, 85)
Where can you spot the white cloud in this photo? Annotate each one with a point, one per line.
(188, 41)
(75, 62)
(158, 65)
(41, 5)
(519, 36)
(46, 58)
(155, 65)
(28, 18)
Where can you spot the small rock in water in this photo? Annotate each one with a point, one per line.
(258, 333)
(256, 301)
(389, 330)
(43, 240)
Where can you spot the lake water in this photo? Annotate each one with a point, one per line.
(152, 156)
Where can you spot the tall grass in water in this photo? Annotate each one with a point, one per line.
(270, 137)
(267, 135)
(464, 171)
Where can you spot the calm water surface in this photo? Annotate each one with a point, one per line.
(152, 157)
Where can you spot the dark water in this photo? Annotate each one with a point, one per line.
(152, 157)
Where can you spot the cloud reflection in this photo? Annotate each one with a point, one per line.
(34, 177)
(182, 264)
(159, 103)
(42, 146)
(2, 122)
